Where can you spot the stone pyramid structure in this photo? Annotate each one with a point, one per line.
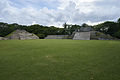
(21, 35)
(88, 33)
(82, 36)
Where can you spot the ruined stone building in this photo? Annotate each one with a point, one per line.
(21, 35)
(87, 33)
(82, 33)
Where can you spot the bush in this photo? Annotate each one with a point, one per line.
(117, 34)
(41, 36)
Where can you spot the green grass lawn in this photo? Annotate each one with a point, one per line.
(59, 60)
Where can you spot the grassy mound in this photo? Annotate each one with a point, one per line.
(59, 60)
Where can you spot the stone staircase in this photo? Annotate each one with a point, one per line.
(81, 36)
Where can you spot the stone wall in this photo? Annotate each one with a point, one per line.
(56, 37)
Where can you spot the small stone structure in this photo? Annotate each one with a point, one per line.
(21, 35)
(85, 29)
(1, 38)
(56, 37)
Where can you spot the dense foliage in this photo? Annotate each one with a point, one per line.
(40, 30)
(108, 27)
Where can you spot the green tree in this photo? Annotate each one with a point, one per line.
(118, 20)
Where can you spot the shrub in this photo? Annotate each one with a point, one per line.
(41, 36)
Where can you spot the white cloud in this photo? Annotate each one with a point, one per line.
(71, 11)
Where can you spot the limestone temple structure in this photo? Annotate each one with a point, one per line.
(82, 33)
(21, 35)
(87, 33)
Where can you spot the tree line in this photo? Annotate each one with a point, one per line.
(108, 27)
(40, 30)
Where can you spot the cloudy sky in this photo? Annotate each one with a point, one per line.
(57, 12)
